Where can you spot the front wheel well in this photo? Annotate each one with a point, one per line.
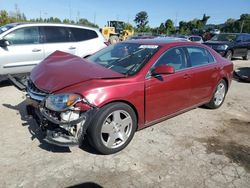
(226, 80)
(128, 103)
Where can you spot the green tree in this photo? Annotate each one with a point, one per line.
(204, 19)
(85, 22)
(162, 29)
(57, 20)
(128, 26)
(184, 28)
(195, 25)
(4, 17)
(141, 20)
(169, 25)
(245, 23)
(229, 25)
(66, 21)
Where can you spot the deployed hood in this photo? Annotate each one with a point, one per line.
(60, 70)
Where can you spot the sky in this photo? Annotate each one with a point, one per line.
(100, 11)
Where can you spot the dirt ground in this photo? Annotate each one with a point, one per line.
(200, 148)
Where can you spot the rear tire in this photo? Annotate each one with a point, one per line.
(218, 96)
(247, 56)
(113, 128)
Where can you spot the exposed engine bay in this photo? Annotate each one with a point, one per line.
(63, 117)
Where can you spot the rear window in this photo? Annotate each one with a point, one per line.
(83, 34)
(57, 34)
(246, 38)
(199, 56)
(224, 37)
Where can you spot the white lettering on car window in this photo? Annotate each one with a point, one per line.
(149, 46)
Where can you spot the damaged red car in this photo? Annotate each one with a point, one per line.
(123, 88)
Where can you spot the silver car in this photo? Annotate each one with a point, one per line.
(195, 38)
(24, 45)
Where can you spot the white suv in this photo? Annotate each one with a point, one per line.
(23, 45)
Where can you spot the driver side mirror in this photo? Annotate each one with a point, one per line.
(4, 43)
(163, 69)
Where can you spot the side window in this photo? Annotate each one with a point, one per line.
(194, 39)
(174, 57)
(246, 38)
(57, 34)
(199, 56)
(27, 35)
(83, 34)
(240, 38)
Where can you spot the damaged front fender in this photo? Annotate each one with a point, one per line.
(60, 136)
(63, 133)
(62, 128)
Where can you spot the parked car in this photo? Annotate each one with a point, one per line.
(215, 31)
(23, 45)
(123, 88)
(195, 38)
(231, 45)
(142, 36)
(179, 36)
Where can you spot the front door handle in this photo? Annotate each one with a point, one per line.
(72, 48)
(36, 50)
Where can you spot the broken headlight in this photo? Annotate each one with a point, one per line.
(61, 102)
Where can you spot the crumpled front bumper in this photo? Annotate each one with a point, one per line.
(57, 131)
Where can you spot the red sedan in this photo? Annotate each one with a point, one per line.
(123, 88)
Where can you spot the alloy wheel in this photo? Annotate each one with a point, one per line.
(219, 94)
(116, 129)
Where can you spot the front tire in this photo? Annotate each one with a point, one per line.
(229, 55)
(218, 96)
(113, 128)
(247, 56)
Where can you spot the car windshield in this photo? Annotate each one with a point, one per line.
(124, 58)
(224, 37)
(5, 28)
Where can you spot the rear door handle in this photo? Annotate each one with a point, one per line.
(36, 50)
(72, 48)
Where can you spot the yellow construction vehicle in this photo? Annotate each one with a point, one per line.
(115, 31)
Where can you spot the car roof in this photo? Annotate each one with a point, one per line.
(13, 24)
(234, 34)
(194, 36)
(49, 24)
(161, 41)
